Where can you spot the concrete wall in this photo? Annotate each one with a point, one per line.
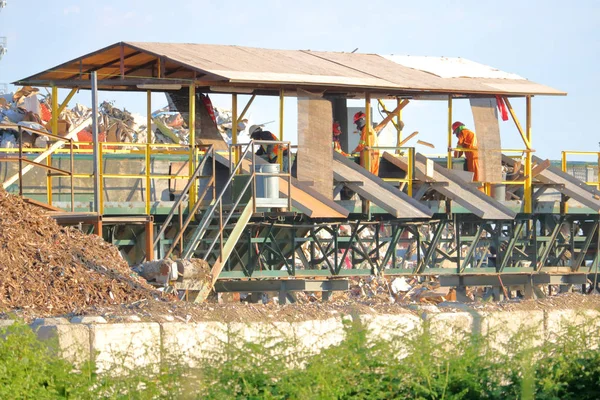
(136, 344)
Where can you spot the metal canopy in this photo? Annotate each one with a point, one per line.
(132, 66)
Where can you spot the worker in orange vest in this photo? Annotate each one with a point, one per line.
(368, 140)
(467, 140)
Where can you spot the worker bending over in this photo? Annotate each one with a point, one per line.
(467, 140)
(269, 152)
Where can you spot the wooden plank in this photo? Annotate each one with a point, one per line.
(487, 131)
(315, 159)
(377, 190)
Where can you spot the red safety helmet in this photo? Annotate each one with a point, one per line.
(456, 125)
(337, 130)
(358, 116)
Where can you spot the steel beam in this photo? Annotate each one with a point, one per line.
(276, 285)
(512, 279)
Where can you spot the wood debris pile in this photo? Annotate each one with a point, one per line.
(51, 270)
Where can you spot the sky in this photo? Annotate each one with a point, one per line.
(552, 42)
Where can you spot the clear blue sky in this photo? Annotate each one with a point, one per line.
(552, 42)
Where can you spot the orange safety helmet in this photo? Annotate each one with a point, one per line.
(456, 125)
(358, 116)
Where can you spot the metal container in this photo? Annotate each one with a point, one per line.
(267, 187)
(499, 190)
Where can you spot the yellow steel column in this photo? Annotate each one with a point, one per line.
(367, 152)
(49, 180)
(280, 158)
(398, 126)
(449, 162)
(598, 174)
(192, 127)
(54, 110)
(54, 128)
(147, 152)
(528, 162)
(411, 166)
(234, 127)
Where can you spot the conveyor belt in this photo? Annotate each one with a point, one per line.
(457, 189)
(568, 185)
(311, 203)
(377, 190)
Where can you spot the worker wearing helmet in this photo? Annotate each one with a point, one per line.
(467, 140)
(268, 151)
(337, 131)
(368, 140)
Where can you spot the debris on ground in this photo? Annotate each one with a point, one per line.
(30, 108)
(48, 269)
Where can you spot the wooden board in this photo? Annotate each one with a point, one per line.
(377, 190)
(315, 158)
(457, 189)
(487, 130)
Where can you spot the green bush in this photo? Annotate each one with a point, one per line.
(360, 367)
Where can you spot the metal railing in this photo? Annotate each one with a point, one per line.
(51, 171)
(283, 145)
(217, 208)
(178, 206)
(488, 184)
(582, 153)
(409, 153)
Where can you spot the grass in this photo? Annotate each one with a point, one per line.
(415, 367)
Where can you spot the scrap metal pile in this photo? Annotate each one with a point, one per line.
(29, 108)
(48, 270)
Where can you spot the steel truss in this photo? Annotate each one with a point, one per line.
(461, 245)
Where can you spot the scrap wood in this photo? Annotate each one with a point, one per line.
(50, 270)
(412, 135)
(426, 144)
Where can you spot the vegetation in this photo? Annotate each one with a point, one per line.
(420, 367)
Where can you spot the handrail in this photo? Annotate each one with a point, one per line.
(57, 171)
(218, 202)
(410, 173)
(564, 154)
(287, 174)
(184, 193)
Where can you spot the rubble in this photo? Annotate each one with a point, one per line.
(51, 270)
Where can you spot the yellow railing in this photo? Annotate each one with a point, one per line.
(487, 185)
(148, 150)
(582, 153)
(409, 152)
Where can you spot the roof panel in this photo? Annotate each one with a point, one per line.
(330, 70)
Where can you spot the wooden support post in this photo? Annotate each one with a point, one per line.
(98, 226)
(150, 240)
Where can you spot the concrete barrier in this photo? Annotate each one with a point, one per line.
(142, 344)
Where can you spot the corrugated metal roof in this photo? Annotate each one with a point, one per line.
(266, 68)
